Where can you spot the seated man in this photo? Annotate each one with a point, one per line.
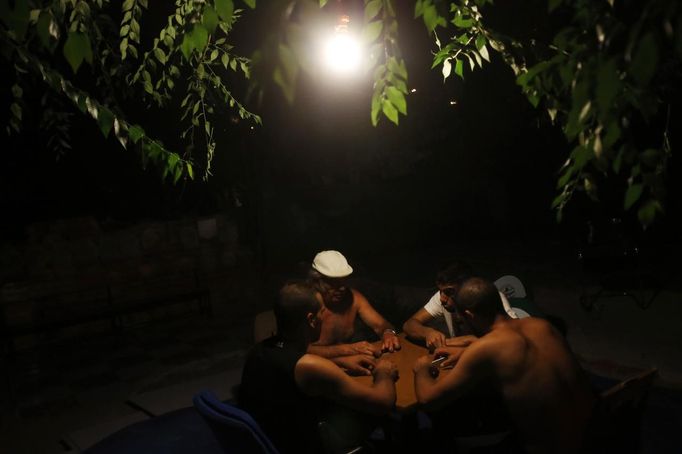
(343, 303)
(442, 304)
(526, 360)
(288, 391)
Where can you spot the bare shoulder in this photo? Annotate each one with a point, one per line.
(314, 373)
(358, 297)
(503, 342)
(537, 326)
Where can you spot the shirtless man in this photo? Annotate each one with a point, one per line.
(526, 360)
(442, 304)
(344, 304)
(288, 391)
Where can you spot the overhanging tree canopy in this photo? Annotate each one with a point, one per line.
(605, 74)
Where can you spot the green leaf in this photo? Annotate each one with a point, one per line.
(225, 9)
(647, 213)
(225, 59)
(372, 8)
(432, 19)
(447, 68)
(371, 31)
(461, 22)
(250, 3)
(16, 110)
(187, 46)
(199, 37)
(397, 67)
(43, 28)
(484, 53)
(210, 19)
(17, 91)
(76, 49)
(123, 47)
(135, 133)
(160, 55)
(105, 119)
(645, 61)
(376, 108)
(558, 200)
(173, 159)
(190, 171)
(632, 195)
(418, 8)
(480, 42)
(459, 68)
(651, 157)
(397, 98)
(390, 111)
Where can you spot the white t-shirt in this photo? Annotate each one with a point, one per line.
(436, 309)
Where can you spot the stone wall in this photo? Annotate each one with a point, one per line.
(74, 268)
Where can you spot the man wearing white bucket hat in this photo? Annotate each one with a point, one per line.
(343, 303)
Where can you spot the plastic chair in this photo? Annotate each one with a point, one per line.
(229, 422)
(616, 424)
(511, 286)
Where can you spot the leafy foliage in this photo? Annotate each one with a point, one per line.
(604, 78)
(51, 41)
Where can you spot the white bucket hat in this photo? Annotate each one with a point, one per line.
(332, 264)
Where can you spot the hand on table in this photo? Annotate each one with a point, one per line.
(451, 353)
(356, 364)
(434, 339)
(390, 342)
(365, 348)
(385, 367)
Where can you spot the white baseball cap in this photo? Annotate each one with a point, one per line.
(332, 264)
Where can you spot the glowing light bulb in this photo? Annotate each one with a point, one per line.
(342, 53)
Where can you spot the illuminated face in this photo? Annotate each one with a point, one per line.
(447, 293)
(334, 290)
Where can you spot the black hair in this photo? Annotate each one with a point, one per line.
(479, 296)
(455, 273)
(296, 300)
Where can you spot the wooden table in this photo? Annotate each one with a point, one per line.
(404, 358)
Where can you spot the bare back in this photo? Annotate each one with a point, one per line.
(546, 392)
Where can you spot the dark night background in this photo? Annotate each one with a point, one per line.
(470, 173)
(318, 175)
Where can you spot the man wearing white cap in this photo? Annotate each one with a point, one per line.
(343, 303)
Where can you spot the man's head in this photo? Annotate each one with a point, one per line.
(329, 273)
(449, 280)
(478, 304)
(297, 310)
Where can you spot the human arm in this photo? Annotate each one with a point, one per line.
(415, 327)
(334, 351)
(461, 341)
(317, 376)
(355, 364)
(435, 392)
(451, 354)
(377, 323)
